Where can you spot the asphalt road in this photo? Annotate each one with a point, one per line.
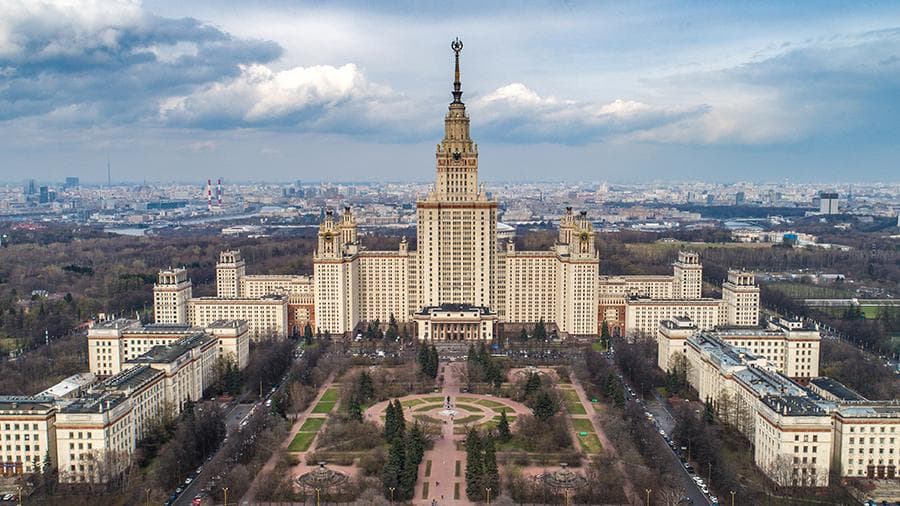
(234, 414)
(666, 421)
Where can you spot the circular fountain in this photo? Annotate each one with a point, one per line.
(322, 478)
(563, 479)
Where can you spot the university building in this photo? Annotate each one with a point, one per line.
(764, 382)
(461, 280)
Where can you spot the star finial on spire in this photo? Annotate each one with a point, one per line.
(457, 46)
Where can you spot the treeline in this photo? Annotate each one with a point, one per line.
(35, 371)
(482, 368)
(115, 274)
(863, 373)
(197, 435)
(407, 447)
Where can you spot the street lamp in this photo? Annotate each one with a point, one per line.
(488, 490)
(648, 495)
(732, 498)
(567, 496)
(225, 490)
(148, 497)
(392, 494)
(317, 497)
(19, 493)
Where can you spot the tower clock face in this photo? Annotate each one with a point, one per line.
(457, 155)
(584, 236)
(327, 236)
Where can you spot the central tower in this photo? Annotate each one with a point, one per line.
(457, 223)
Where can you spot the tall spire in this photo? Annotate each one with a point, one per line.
(457, 46)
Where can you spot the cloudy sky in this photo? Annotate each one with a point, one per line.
(346, 91)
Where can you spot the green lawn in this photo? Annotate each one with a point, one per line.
(570, 395)
(425, 490)
(807, 291)
(469, 407)
(466, 419)
(312, 424)
(582, 425)
(590, 443)
(8, 344)
(427, 468)
(411, 402)
(427, 407)
(598, 346)
(427, 419)
(458, 468)
(456, 491)
(433, 399)
(331, 395)
(576, 408)
(515, 445)
(492, 424)
(489, 403)
(301, 442)
(324, 407)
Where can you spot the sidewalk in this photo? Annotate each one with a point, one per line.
(298, 422)
(608, 447)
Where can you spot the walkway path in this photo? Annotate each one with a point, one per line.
(448, 464)
(298, 422)
(608, 447)
(443, 470)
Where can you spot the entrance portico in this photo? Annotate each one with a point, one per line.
(455, 322)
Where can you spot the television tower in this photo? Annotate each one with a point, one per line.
(108, 173)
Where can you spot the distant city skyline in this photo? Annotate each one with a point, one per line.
(559, 91)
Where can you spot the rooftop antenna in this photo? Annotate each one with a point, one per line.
(108, 173)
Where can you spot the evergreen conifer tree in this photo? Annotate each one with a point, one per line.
(490, 473)
(474, 467)
(392, 473)
(503, 432)
(544, 406)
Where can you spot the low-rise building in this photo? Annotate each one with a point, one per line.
(793, 442)
(188, 365)
(94, 438)
(867, 439)
(27, 434)
(455, 322)
(266, 316)
(800, 434)
(113, 343)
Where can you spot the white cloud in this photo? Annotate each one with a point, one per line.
(74, 24)
(260, 96)
(516, 113)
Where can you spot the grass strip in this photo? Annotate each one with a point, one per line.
(312, 424)
(301, 442)
(330, 395)
(323, 407)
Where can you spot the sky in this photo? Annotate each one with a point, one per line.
(280, 90)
